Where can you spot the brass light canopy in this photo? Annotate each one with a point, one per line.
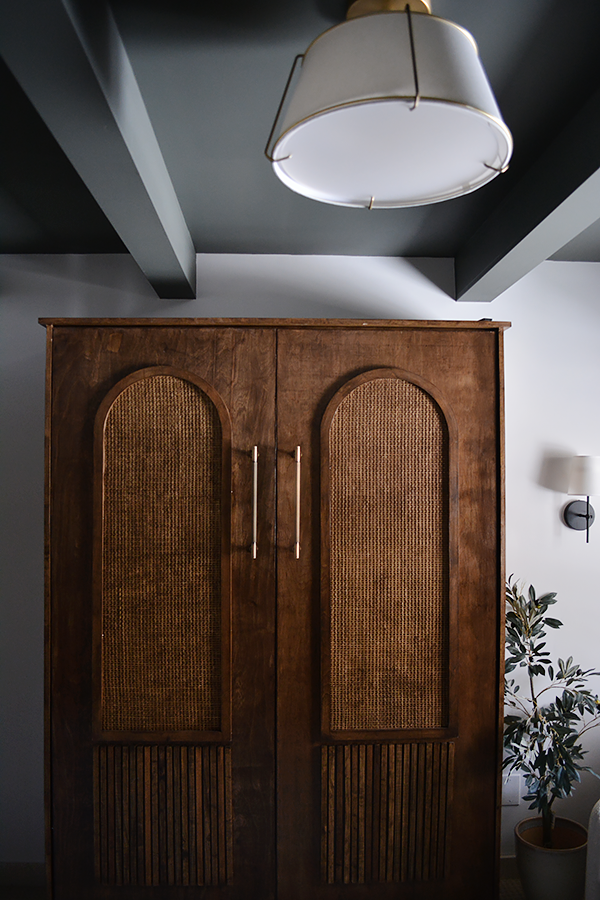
(368, 7)
(392, 108)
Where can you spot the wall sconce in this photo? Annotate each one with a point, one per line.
(584, 479)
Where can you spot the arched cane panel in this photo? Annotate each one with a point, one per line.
(162, 572)
(388, 613)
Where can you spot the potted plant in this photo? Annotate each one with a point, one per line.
(542, 740)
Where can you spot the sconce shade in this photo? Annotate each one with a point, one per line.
(584, 476)
(379, 119)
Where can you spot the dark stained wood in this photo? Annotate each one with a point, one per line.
(347, 815)
(379, 873)
(434, 810)
(369, 811)
(110, 824)
(412, 872)
(252, 372)
(155, 823)
(354, 778)
(324, 814)
(398, 803)
(279, 324)
(214, 813)
(501, 564)
(199, 817)
(48, 474)
(84, 365)
(405, 852)
(331, 785)
(135, 816)
(338, 833)
(394, 835)
(447, 835)
(368, 816)
(209, 818)
(126, 803)
(421, 812)
(117, 834)
(102, 817)
(462, 366)
(362, 830)
(185, 816)
(122, 830)
(170, 815)
(176, 819)
(391, 818)
(144, 758)
(229, 818)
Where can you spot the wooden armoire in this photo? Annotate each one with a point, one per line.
(274, 609)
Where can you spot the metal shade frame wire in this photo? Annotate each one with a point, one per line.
(300, 56)
(273, 139)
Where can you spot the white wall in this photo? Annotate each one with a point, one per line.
(552, 412)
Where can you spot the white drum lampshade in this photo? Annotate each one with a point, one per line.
(584, 476)
(584, 479)
(391, 109)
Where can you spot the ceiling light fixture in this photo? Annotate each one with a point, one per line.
(392, 108)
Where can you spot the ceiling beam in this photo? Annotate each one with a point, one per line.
(557, 199)
(70, 60)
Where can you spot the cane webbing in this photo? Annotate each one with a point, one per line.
(161, 559)
(389, 585)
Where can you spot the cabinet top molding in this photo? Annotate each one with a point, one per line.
(483, 324)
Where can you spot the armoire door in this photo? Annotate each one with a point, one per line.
(161, 613)
(389, 617)
(274, 609)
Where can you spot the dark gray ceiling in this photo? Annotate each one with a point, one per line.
(144, 131)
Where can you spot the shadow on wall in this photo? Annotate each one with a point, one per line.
(554, 471)
(248, 285)
(554, 475)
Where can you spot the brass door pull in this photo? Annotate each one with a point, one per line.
(298, 457)
(254, 544)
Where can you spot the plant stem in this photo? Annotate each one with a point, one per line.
(515, 702)
(547, 826)
(588, 727)
(533, 696)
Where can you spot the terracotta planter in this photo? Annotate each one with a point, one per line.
(551, 874)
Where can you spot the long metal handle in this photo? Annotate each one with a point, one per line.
(254, 544)
(298, 458)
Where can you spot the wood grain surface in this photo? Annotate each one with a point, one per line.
(276, 803)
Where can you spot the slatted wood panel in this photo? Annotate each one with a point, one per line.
(389, 588)
(163, 815)
(385, 812)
